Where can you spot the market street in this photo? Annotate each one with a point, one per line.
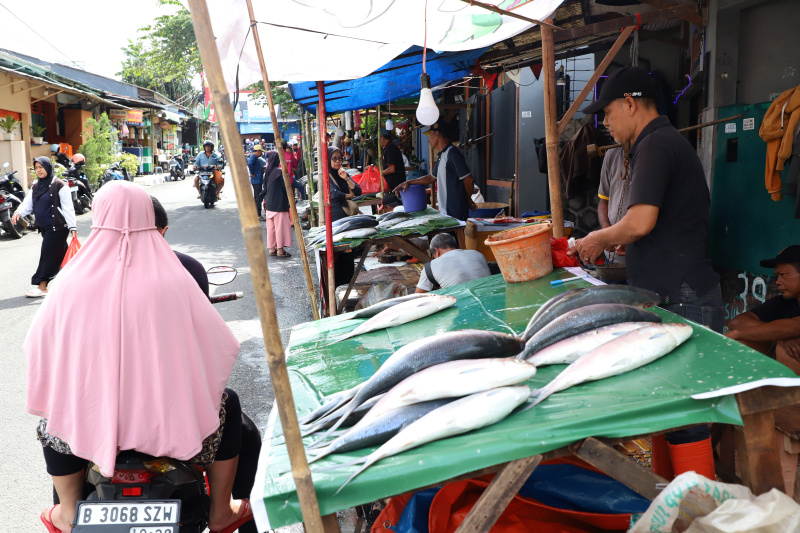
(214, 238)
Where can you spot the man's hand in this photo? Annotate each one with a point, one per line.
(402, 187)
(472, 205)
(792, 347)
(587, 249)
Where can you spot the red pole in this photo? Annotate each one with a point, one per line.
(324, 179)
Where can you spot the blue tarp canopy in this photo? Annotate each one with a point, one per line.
(399, 78)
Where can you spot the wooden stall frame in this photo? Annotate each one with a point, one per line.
(322, 131)
(257, 258)
(287, 179)
(551, 131)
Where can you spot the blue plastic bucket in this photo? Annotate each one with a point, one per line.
(414, 198)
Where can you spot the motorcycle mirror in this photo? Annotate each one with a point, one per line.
(5, 165)
(220, 275)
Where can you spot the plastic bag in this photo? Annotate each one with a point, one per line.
(370, 180)
(695, 504)
(559, 248)
(74, 246)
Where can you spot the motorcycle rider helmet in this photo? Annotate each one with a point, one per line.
(78, 158)
(208, 143)
(54, 148)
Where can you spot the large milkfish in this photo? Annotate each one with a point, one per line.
(374, 309)
(571, 349)
(403, 313)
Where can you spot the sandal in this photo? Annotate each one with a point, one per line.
(48, 521)
(273, 252)
(283, 253)
(245, 515)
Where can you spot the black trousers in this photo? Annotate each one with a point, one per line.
(54, 248)
(257, 187)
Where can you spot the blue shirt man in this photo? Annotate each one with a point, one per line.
(208, 157)
(256, 164)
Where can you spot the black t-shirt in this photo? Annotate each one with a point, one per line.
(393, 156)
(666, 172)
(195, 269)
(777, 308)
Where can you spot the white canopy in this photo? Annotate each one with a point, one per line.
(305, 40)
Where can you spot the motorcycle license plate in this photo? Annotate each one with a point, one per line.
(162, 516)
(5, 205)
(73, 189)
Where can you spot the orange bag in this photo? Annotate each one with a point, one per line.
(370, 180)
(74, 246)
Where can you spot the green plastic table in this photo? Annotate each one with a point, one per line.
(645, 401)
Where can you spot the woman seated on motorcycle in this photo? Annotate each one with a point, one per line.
(149, 377)
(211, 158)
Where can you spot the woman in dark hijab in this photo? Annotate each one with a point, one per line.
(276, 208)
(343, 188)
(51, 202)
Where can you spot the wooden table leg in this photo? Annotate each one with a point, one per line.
(498, 494)
(462, 243)
(367, 246)
(624, 469)
(330, 524)
(759, 461)
(410, 248)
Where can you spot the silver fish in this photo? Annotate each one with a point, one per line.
(403, 313)
(333, 401)
(621, 355)
(576, 298)
(583, 319)
(354, 234)
(463, 415)
(573, 348)
(372, 310)
(426, 352)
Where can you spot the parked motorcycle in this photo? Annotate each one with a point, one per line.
(82, 199)
(149, 493)
(112, 173)
(11, 196)
(208, 187)
(176, 168)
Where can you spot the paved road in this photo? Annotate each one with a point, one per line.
(211, 236)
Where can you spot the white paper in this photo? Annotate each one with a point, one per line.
(774, 382)
(578, 271)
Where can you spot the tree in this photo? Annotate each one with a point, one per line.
(165, 57)
(280, 96)
(98, 146)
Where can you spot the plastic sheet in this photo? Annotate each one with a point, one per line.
(650, 399)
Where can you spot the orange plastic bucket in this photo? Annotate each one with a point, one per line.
(523, 254)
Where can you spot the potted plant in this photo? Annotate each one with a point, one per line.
(9, 124)
(38, 132)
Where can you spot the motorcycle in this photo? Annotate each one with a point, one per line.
(208, 187)
(147, 493)
(79, 187)
(176, 168)
(11, 196)
(112, 173)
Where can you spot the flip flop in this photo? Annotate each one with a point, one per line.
(48, 522)
(273, 252)
(245, 515)
(284, 254)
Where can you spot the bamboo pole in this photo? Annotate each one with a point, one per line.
(601, 68)
(287, 179)
(308, 162)
(257, 259)
(551, 131)
(380, 150)
(325, 180)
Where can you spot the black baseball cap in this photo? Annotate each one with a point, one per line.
(627, 81)
(441, 125)
(790, 254)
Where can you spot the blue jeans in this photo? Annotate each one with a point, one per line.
(300, 188)
(706, 309)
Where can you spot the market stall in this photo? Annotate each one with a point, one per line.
(646, 401)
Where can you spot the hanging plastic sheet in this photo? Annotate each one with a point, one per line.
(650, 399)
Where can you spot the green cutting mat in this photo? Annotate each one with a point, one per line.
(649, 399)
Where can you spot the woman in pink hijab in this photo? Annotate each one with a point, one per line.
(149, 375)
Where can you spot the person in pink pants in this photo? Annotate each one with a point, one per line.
(276, 208)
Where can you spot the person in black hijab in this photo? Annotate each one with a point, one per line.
(343, 188)
(51, 202)
(276, 208)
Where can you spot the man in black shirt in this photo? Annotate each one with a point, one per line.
(394, 169)
(776, 321)
(665, 228)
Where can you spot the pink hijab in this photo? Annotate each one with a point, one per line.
(126, 352)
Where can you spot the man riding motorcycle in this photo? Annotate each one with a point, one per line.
(210, 158)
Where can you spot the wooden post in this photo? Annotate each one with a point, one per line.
(551, 131)
(308, 161)
(325, 181)
(380, 150)
(601, 68)
(287, 179)
(257, 259)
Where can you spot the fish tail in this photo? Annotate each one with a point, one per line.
(352, 462)
(352, 476)
(324, 452)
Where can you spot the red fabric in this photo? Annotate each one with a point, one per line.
(477, 70)
(370, 180)
(390, 515)
(74, 246)
(537, 70)
(559, 248)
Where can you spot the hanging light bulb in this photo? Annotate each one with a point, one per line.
(427, 112)
(389, 124)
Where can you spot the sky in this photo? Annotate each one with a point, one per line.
(91, 33)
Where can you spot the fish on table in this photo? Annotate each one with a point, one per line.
(623, 354)
(403, 313)
(573, 348)
(374, 309)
